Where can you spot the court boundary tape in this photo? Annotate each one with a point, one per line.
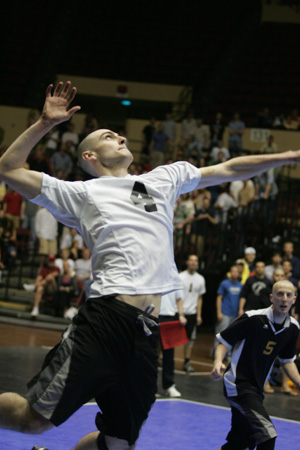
(182, 400)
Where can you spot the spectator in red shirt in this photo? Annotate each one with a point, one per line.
(12, 206)
(45, 283)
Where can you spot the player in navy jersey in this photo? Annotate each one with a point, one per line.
(109, 352)
(256, 339)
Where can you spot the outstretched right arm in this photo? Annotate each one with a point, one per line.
(12, 171)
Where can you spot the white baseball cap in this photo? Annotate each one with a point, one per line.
(250, 250)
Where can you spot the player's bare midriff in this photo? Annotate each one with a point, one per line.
(142, 301)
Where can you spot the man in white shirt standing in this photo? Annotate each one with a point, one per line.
(193, 289)
(46, 229)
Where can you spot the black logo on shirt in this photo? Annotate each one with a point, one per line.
(139, 195)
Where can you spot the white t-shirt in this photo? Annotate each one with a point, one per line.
(193, 286)
(168, 305)
(83, 267)
(127, 225)
(59, 263)
(216, 150)
(45, 225)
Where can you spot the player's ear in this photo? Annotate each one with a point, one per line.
(88, 155)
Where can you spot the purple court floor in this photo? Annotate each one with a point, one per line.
(172, 425)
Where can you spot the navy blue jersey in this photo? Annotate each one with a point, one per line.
(256, 342)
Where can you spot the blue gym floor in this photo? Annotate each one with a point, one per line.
(172, 425)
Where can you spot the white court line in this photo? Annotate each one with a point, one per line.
(203, 404)
(193, 362)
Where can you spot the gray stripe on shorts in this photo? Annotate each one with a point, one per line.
(267, 429)
(44, 401)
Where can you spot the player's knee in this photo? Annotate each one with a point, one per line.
(34, 423)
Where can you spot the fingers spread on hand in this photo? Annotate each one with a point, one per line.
(64, 92)
(48, 90)
(58, 89)
(72, 94)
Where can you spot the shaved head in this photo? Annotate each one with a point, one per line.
(283, 283)
(85, 145)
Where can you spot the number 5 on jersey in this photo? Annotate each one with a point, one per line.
(269, 347)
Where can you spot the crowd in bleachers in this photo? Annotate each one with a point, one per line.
(215, 223)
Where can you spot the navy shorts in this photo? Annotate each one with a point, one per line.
(106, 355)
(250, 423)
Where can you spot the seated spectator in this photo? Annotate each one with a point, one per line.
(219, 159)
(217, 149)
(90, 125)
(65, 257)
(46, 230)
(60, 160)
(198, 195)
(158, 146)
(276, 264)
(170, 129)
(295, 116)
(184, 208)
(187, 126)
(52, 141)
(236, 129)
(83, 269)
(202, 223)
(66, 290)
(246, 195)
(264, 119)
(72, 138)
(65, 238)
(266, 190)
(250, 256)
(223, 204)
(217, 128)
(8, 251)
(250, 295)
(39, 160)
(278, 122)
(290, 124)
(12, 206)
(246, 264)
(270, 146)
(199, 141)
(77, 244)
(45, 283)
(288, 254)
(288, 273)
(148, 132)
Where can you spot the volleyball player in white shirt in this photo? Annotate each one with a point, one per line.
(108, 352)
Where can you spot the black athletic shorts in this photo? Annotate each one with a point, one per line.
(191, 326)
(250, 423)
(104, 354)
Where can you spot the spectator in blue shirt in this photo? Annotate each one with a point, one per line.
(228, 298)
(158, 147)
